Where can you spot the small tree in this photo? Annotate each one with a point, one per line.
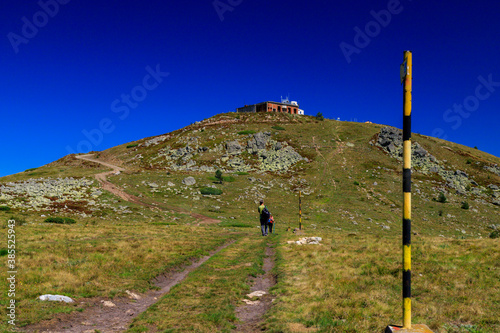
(465, 205)
(218, 176)
(319, 116)
(441, 198)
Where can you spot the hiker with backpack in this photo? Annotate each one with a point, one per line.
(264, 218)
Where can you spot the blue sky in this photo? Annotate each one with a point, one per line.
(79, 75)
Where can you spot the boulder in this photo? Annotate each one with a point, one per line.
(56, 298)
(233, 147)
(189, 181)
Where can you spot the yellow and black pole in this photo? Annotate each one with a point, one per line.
(300, 210)
(406, 79)
(407, 190)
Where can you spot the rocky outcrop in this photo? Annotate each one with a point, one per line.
(390, 139)
(189, 181)
(258, 142)
(233, 147)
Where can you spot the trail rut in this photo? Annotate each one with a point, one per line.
(118, 317)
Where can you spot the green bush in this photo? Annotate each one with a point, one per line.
(60, 220)
(356, 182)
(441, 198)
(495, 234)
(246, 132)
(4, 208)
(465, 205)
(3, 252)
(133, 145)
(210, 191)
(440, 213)
(31, 169)
(278, 128)
(469, 161)
(319, 116)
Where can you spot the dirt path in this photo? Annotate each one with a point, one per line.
(251, 315)
(116, 318)
(108, 186)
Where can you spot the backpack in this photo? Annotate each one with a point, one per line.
(265, 214)
(271, 220)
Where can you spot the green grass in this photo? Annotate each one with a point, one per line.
(278, 128)
(132, 145)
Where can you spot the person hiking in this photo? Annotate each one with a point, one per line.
(264, 217)
(270, 224)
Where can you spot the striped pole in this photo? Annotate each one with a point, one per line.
(407, 75)
(300, 210)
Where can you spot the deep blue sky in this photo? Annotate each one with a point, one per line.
(64, 78)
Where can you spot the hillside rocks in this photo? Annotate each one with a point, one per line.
(36, 193)
(391, 141)
(261, 154)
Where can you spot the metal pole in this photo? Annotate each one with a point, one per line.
(300, 210)
(407, 189)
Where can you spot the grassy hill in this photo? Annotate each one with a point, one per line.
(349, 175)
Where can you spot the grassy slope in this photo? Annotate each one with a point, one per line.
(339, 296)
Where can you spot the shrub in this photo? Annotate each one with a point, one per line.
(246, 132)
(495, 234)
(278, 128)
(440, 213)
(469, 161)
(319, 116)
(4, 208)
(441, 198)
(210, 191)
(60, 220)
(133, 145)
(218, 176)
(31, 169)
(465, 205)
(356, 182)
(3, 252)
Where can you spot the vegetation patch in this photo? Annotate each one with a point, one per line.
(163, 223)
(210, 191)
(60, 220)
(246, 132)
(133, 145)
(233, 224)
(4, 208)
(278, 128)
(3, 252)
(30, 169)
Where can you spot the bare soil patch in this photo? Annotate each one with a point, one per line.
(251, 315)
(117, 318)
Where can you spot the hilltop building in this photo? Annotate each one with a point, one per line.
(285, 106)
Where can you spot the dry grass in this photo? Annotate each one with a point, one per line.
(353, 284)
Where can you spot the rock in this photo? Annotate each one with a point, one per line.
(56, 298)
(132, 295)
(348, 144)
(233, 147)
(170, 184)
(258, 142)
(249, 302)
(153, 185)
(493, 187)
(189, 181)
(108, 304)
(129, 312)
(258, 293)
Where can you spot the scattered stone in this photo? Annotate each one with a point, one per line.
(307, 240)
(132, 295)
(258, 293)
(130, 312)
(233, 147)
(109, 304)
(55, 298)
(249, 302)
